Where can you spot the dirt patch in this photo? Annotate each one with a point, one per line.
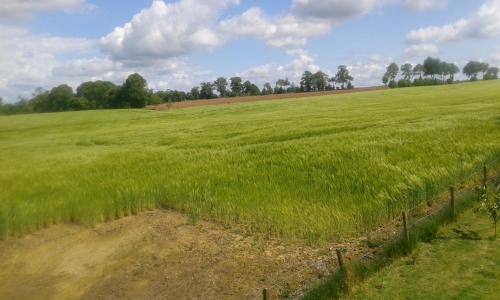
(220, 101)
(157, 254)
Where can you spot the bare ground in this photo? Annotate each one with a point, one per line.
(153, 255)
(220, 101)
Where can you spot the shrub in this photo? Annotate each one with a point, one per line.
(393, 84)
(404, 83)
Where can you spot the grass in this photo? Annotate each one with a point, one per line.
(453, 266)
(320, 169)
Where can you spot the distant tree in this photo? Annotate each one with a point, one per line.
(236, 86)
(472, 68)
(432, 67)
(418, 70)
(60, 98)
(385, 79)
(484, 68)
(452, 70)
(207, 90)
(132, 94)
(407, 71)
(99, 94)
(268, 89)
(320, 81)
(332, 82)
(221, 86)
(195, 93)
(391, 73)
(306, 82)
(343, 76)
(491, 74)
(250, 89)
(1, 101)
(281, 86)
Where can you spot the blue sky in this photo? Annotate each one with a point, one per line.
(178, 44)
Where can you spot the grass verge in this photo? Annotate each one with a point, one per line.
(423, 230)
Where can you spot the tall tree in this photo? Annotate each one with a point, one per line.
(134, 93)
(392, 72)
(306, 82)
(407, 71)
(100, 94)
(452, 70)
(343, 76)
(207, 90)
(250, 89)
(432, 67)
(484, 68)
(320, 81)
(236, 86)
(195, 93)
(491, 74)
(221, 86)
(418, 70)
(472, 68)
(281, 86)
(268, 89)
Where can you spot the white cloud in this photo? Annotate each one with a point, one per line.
(27, 60)
(421, 50)
(332, 10)
(272, 72)
(421, 5)
(485, 23)
(25, 8)
(284, 32)
(370, 72)
(167, 30)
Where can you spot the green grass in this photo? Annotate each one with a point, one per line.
(450, 267)
(320, 168)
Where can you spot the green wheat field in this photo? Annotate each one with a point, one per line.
(318, 169)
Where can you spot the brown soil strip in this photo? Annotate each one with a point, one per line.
(219, 101)
(156, 255)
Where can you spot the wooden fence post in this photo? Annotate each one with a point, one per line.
(452, 201)
(265, 294)
(405, 230)
(485, 176)
(343, 270)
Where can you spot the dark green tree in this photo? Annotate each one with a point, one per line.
(491, 74)
(99, 94)
(207, 91)
(221, 86)
(236, 86)
(320, 81)
(306, 82)
(133, 94)
(472, 68)
(343, 77)
(407, 71)
(432, 67)
(268, 89)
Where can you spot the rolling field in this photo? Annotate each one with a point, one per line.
(319, 168)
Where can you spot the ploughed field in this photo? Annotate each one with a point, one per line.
(318, 169)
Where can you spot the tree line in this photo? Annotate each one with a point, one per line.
(433, 71)
(134, 92)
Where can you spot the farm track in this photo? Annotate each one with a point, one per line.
(233, 100)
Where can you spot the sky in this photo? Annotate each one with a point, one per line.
(179, 44)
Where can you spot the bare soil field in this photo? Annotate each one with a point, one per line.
(155, 255)
(219, 101)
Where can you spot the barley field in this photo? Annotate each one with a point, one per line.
(319, 169)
